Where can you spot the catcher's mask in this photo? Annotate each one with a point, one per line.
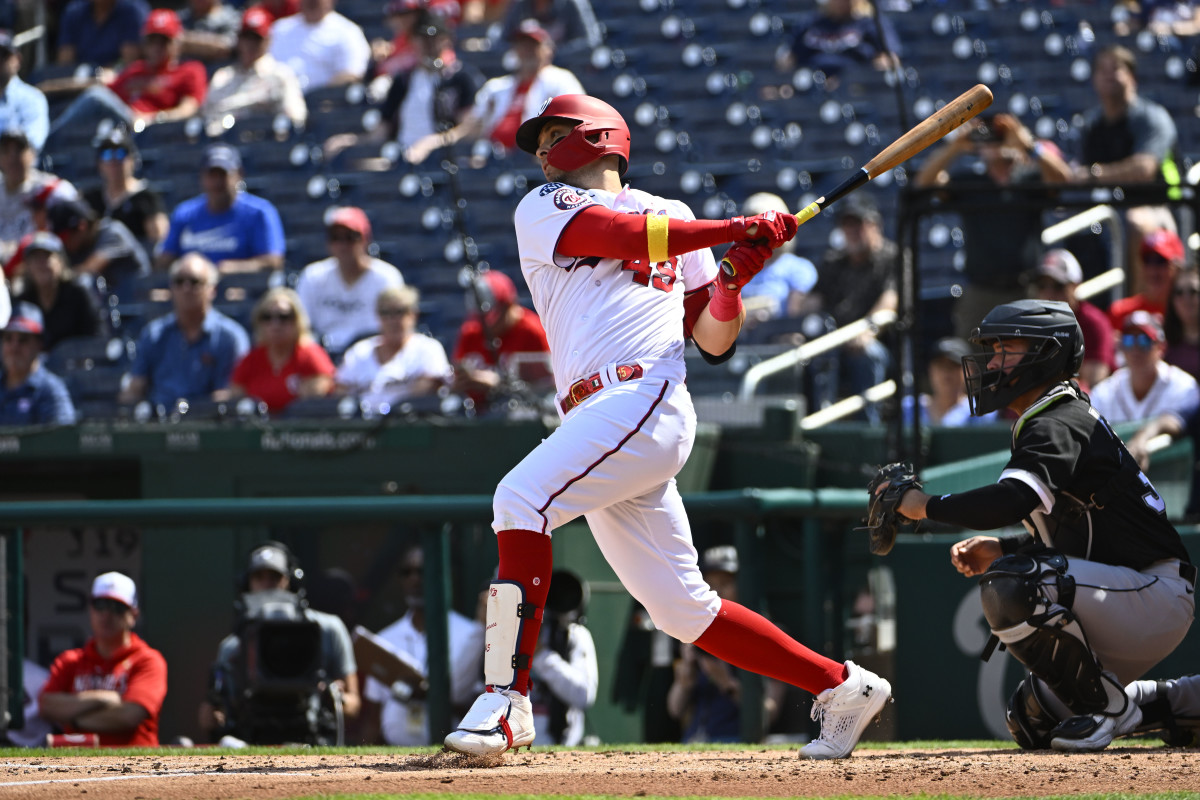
(1051, 350)
(599, 130)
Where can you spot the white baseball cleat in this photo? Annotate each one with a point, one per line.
(499, 720)
(1090, 732)
(845, 711)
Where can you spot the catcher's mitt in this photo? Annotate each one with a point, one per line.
(882, 518)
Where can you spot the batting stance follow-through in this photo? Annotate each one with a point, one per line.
(1101, 587)
(621, 279)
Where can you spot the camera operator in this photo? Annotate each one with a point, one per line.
(287, 673)
(564, 669)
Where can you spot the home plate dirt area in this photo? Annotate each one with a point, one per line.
(753, 772)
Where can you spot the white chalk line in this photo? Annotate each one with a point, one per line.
(169, 774)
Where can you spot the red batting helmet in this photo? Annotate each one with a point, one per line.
(592, 117)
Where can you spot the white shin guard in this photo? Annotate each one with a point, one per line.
(506, 612)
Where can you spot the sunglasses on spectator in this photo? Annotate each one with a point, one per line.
(186, 280)
(277, 316)
(103, 604)
(1139, 340)
(114, 154)
(19, 338)
(1155, 260)
(1186, 291)
(340, 236)
(394, 312)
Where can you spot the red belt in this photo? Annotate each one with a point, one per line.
(586, 387)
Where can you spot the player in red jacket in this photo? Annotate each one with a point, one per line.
(114, 685)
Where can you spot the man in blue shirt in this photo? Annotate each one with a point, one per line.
(102, 33)
(30, 395)
(21, 105)
(189, 353)
(237, 231)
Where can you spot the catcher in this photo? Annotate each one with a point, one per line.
(1100, 588)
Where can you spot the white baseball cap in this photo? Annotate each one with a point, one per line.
(269, 557)
(115, 586)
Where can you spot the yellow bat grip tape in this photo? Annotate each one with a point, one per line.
(656, 238)
(807, 213)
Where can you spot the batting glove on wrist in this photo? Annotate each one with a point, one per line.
(741, 262)
(771, 227)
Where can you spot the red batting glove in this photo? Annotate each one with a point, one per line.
(741, 262)
(772, 227)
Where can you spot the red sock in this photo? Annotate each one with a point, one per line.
(751, 642)
(526, 558)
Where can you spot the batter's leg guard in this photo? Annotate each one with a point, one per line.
(1029, 719)
(507, 616)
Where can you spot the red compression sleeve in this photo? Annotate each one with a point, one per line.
(600, 231)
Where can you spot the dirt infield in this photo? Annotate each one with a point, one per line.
(751, 772)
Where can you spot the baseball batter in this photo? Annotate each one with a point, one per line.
(621, 279)
(1101, 587)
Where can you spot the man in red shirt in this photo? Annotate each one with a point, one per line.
(114, 685)
(489, 338)
(157, 88)
(1162, 256)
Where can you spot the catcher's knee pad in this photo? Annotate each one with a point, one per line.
(1028, 718)
(506, 615)
(1045, 636)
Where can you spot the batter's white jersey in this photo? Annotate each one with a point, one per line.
(600, 311)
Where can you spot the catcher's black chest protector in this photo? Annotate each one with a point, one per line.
(1105, 509)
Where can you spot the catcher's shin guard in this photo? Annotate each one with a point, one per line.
(506, 615)
(1028, 718)
(1043, 635)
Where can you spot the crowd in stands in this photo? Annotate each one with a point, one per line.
(103, 243)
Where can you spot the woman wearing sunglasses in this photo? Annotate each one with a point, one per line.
(1182, 322)
(285, 362)
(121, 195)
(1147, 385)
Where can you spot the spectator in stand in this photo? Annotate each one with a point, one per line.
(503, 103)
(255, 83)
(1128, 140)
(157, 88)
(97, 248)
(572, 24)
(67, 309)
(838, 34)
(189, 353)
(498, 328)
(779, 291)
(236, 230)
(101, 33)
(29, 393)
(340, 292)
(121, 195)
(706, 694)
(1169, 19)
(399, 363)
(115, 684)
(1057, 276)
(1002, 231)
(397, 714)
(1182, 322)
(210, 29)
(22, 107)
(321, 46)
(434, 95)
(277, 9)
(285, 362)
(856, 279)
(483, 12)
(1161, 256)
(565, 671)
(1146, 386)
(21, 188)
(947, 403)
(400, 53)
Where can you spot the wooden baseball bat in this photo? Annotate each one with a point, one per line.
(926, 132)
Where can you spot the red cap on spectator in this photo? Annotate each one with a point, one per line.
(256, 21)
(1144, 322)
(162, 22)
(1163, 243)
(353, 218)
(403, 6)
(530, 29)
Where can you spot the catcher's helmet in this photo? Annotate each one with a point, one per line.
(1055, 352)
(592, 118)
